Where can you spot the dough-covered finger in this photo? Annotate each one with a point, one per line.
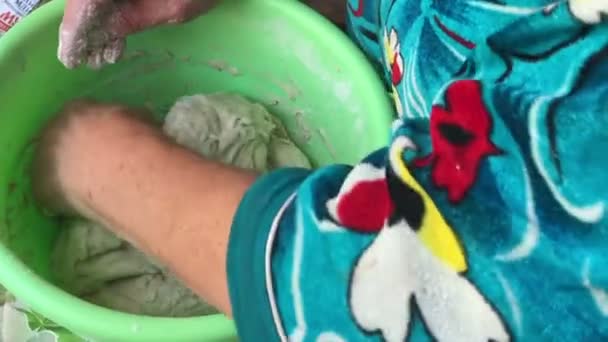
(68, 52)
(113, 51)
(84, 30)
(95, 59)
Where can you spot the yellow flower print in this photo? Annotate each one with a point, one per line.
(394, 62)
(397, 100)
(393, 57)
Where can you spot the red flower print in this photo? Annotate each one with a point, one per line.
(460, 136)
(357, 12)
(366, 207)
(363, 203)
(393, 57)
(455, 36)
(396, 70)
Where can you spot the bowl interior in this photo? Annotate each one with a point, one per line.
(278, 53)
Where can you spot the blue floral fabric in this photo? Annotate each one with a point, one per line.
(484, 219)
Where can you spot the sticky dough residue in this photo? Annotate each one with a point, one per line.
(92, 42)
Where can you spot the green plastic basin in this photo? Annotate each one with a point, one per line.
(276, 52)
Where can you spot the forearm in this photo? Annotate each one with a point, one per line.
(167, 201)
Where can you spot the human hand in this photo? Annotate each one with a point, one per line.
(93, 32)
(110, 165)
(72, 146)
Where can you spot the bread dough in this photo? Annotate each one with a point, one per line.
(92, 263)
(230, 129)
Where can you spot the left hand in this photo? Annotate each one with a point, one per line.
(93, 32)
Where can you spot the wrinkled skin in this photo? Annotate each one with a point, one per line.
(93, 32)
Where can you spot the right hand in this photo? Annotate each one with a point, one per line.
(93, 32)
(110, 164)
(73, 146)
